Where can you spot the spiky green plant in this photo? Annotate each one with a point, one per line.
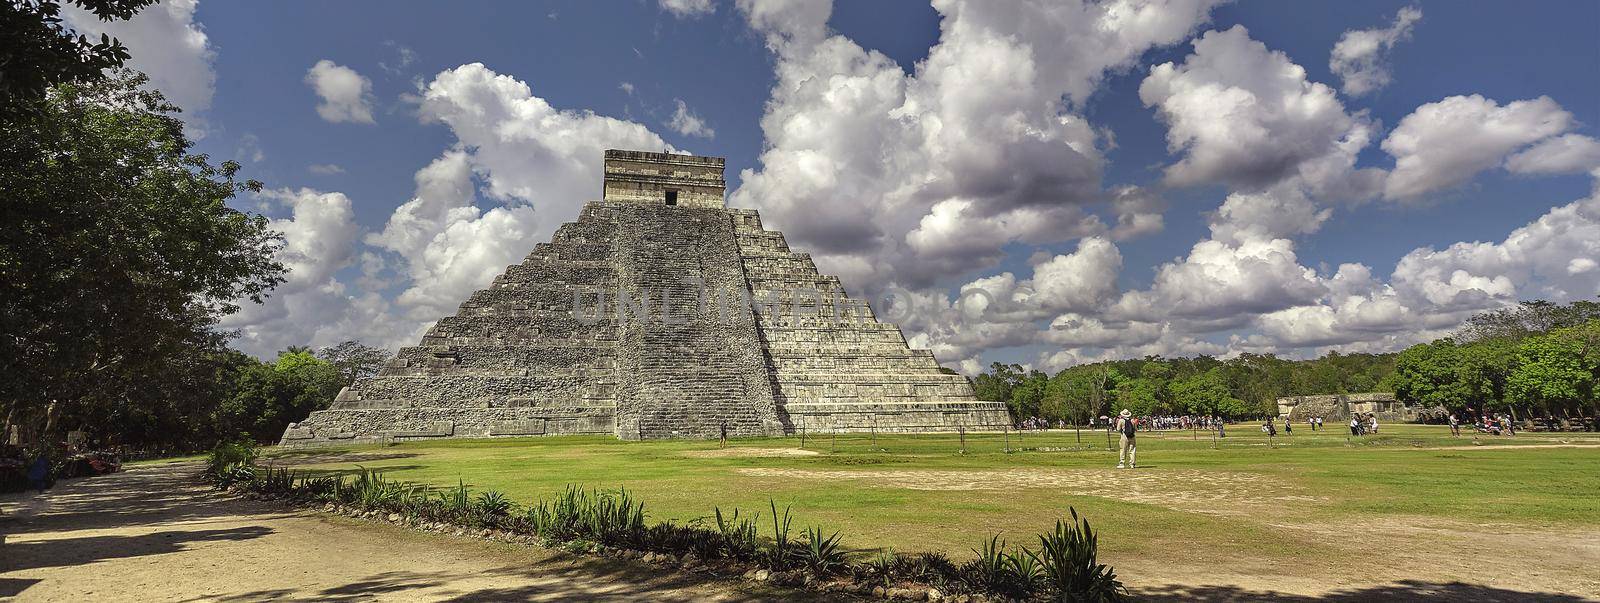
(880, 568)
(819, 554)
(1067, 558)
(988, 570)
(492, 504)
(739, 535)
(778, 556)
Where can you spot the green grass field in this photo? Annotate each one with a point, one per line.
(1243, 509)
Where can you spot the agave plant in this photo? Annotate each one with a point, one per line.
(778, 557)
(1067, 559)
(492, 504)
(821, 555)
(739, 539)
(988, 571)
(881, 568)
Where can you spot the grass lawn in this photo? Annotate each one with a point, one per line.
(1299, 511)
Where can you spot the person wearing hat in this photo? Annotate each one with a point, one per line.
(1126, 426)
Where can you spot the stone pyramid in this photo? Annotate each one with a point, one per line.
(658, 313)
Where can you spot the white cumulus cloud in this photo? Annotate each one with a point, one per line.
(1444, 144)
(1359, 55)
(346, 96)
(913, 178)
(1566, 154)
(685, 122)
(1246, 116)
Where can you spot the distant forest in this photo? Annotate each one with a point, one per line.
(1536, 357)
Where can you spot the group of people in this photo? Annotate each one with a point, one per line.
(1486, 423)
(1363, 424)
(1141, 423)
(1159, 422)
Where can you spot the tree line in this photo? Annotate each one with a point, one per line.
(1536, 357)
(1246, 386)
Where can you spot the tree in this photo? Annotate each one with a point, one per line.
(37, 51)
(354, 360)
(1558, 370)
(1483, 369)
(1207, 394)
(1526, 319)
(996, 384)
(1141, 395)
(271, 395)
(119, 251)
(1027, 396)
(1080, 392)
(1429, 374)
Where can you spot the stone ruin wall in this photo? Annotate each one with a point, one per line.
(1339, 407)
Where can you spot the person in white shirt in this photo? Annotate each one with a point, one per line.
(1126, 426)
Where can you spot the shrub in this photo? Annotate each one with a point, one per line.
(778, 556)
(880, 569)
(492, 504)
(820, 555)
(739, 539)
(1067, 560)
(231, 462)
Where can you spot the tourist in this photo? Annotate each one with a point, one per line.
(1355, 425)
(39, 473)
(724, 436)
(1127, 427)
(1288, 427)
(1455, 426)
(1372, 422)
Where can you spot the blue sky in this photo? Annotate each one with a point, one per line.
(381, 244)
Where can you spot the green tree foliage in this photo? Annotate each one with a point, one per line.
(996, 384)
(1208, 394)
(271, 395)
(1081, 392)
(1147, 386)
(118, 256)
(1430, 374)
(1027, 396)
(1143, 396)
(1526, 319)
(38, 51)
(1556, 372)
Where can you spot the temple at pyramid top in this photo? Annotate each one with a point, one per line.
(664, 178)
(657, 313)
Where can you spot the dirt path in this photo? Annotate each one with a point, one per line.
(152, 534)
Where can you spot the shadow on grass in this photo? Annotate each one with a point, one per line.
(1404, 590)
